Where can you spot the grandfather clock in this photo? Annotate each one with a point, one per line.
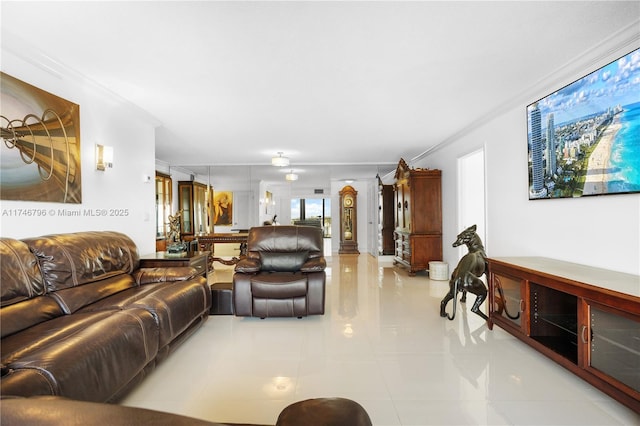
(348, 221)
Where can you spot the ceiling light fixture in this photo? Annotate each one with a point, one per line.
(291, 176)
(280, 161)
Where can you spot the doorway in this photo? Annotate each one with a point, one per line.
(471, 195)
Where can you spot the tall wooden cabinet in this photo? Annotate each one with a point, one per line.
(418, 217)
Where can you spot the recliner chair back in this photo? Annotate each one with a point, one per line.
(293, 243)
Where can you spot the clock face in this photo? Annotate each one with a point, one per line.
(348, 201)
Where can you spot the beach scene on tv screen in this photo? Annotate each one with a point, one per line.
(584, 139)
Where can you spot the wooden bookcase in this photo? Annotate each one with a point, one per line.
(418, 217)
(584, 318)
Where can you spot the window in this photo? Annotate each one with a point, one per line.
(312, 211)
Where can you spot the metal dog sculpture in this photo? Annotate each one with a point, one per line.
(466, 277)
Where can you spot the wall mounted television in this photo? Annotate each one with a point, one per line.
(584, 139)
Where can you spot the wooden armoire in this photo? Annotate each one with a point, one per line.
(418, 217)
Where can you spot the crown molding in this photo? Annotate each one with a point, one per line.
(22, 50)
(609, 49)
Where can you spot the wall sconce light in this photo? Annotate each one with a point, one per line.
(291, 176)
(104, 157)
(280, 161)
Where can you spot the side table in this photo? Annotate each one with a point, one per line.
(163, 259)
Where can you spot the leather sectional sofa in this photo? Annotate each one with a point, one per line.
(80, 319)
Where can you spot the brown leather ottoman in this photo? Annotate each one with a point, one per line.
(221, 299)
(324, 412)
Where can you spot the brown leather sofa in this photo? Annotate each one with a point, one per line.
(80, 319)
(283, 274)
(53, 411)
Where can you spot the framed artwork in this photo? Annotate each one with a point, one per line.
(223, 208)
(40, 158)
(584, 139)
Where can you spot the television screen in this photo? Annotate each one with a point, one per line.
(584, 139)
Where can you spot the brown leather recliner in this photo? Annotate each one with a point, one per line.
(283, 274)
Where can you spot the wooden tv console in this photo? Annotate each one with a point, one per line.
(584, 318)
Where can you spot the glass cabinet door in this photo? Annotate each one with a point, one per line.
(196, 205)
(614, 345)
(199, 208)
(185, 197)
(163, 204)
(508, 298)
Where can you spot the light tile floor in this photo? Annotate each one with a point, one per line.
(381, 343)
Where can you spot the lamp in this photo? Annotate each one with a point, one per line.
(280, 161)
(291, 176)
(104, 157)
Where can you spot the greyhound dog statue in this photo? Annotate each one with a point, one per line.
(466, 277)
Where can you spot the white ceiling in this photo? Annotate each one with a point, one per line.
(327, 83)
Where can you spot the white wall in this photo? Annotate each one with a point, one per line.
(104, 119)
(601, 231)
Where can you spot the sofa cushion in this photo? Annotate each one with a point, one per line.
(19, 273)
(84, 356)
(283, 262)
(174, 305)
(177, 306)
(20, 316)
(70, 260)
(75, 298)
(27, 382)
(22, 289)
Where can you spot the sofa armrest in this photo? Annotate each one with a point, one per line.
(315, 264)
(159, 275)
(248, 266)
(242, 299)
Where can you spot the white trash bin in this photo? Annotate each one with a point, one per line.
(438, 270)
